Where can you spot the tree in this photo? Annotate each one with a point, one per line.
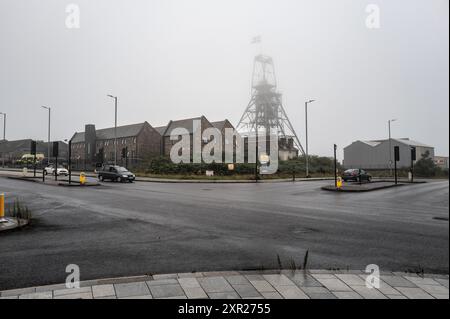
(425, 167)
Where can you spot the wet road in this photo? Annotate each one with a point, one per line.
(142, 228)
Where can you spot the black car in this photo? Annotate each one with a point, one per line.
(357, 175)
(115, 173)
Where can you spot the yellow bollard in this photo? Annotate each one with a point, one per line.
(82, 178)
(339, 183)
(2, 206)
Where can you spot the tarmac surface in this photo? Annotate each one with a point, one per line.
(149, 228)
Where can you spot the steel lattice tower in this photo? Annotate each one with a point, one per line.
(265, 112)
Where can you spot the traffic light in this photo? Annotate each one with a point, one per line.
(413, 154)
(397, 153)
(33, 148)
(55, 149)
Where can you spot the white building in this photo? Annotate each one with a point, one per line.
(375, 154)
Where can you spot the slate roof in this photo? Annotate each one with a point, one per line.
(160, 129)
(108, 133)
(185, 123)
(220, 124)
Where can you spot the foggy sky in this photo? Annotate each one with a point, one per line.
(185, 58)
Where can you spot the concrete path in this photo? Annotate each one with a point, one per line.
(285, 284)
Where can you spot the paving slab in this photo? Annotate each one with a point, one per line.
(346, 295)
(131, 289)
(139, 297)
(254, 277)
(386, 289)
(82, 295)
(434, 289)
(195, 293)
(443, 282)
(166, 291)
(421, 280)
(262, 286)
(215, 285)
(246, 290)
(304, 280)
(189, 283)
(190, 275)
(334, 284)
(99, 291)
(71, 291)
(291, 292)
(352, 279)
(368, 293)
(37, 295)
(237, 280)
(397, 281)
(328, 295)
(278, 280)
(271, 295)
(165, 276)
(51, 287)
(414, 293)
(161, 282)
(396, 297)
(16, 292)
(223, 295)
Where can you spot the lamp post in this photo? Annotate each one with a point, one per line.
(390, 145)
(115, 127)
(48, 140)
(4, 136)
(306, 136)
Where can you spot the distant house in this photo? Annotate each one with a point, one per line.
(441, 161)
(139, 141)
(376, 154)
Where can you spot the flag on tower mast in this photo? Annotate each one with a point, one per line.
(256, 39)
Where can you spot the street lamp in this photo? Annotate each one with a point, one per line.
(306, 125)
(390, 144)
(48, 140)
(115, 127)
(4, 136)
(4, 125)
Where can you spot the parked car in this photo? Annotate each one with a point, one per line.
(357, 175)
(115, 173)
(50, 170)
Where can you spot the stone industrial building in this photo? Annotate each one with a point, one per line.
(188, 125)
(140, 141)
(375, 154)
(143, 141)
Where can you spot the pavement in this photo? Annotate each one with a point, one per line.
(91, 177)
(118, 230)
(272, 284)
(363, 187)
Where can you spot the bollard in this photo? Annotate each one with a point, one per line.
(2, 208)
(339, 183)
(82, 178)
